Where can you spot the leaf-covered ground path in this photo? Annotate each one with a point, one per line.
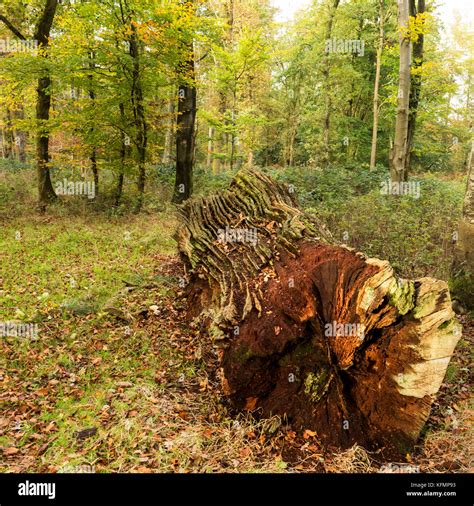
(123, 389)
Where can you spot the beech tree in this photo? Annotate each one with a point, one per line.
(399, 151)
(43, 101)
(378, 64)
(417, 13)
(185, 125)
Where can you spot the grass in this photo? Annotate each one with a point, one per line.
(75, 261)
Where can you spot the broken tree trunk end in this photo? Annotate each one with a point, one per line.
(308, 329)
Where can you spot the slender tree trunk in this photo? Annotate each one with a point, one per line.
(20, 135)
(187, 99)
(166, 158)
(8, 136)
(219, 136)
(291, 150)
(378, 64)
(45, 187)
(93, 156)
(326, 72)
(232, 135)
(95, 172)
(250, 159)
(209, 147)
(123, 154)
(139, 116)
(415, 88)
(228, 137)
(398, 155)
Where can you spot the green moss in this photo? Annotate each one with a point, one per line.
(402, 296)
(316, 384)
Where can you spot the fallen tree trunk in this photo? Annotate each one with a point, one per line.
(308, 329)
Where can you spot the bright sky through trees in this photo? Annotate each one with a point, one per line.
(288, 8)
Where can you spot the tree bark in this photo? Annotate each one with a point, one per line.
(93, 155)
(123, 154)
(166, 158)
(326, 72)
(20, 135)
(378, 64)
(43, 103)
(45, 187)
(187, 99)
(8, 135)
(415, 88)
(141, 125)
(398, 155)
(220, 138)
(210, 146)
(302, 327)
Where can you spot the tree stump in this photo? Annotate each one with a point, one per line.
(309, 329)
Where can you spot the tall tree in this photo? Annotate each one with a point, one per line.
(43, 104)
(376, 101)
(185, 124)
(399, 150)
(93, 155)
(141, 125)
(334, 4)
(417, 11)
(170, 123)
(43, 100)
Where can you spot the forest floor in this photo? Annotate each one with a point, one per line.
(115, 381)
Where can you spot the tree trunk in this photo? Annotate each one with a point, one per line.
(210, 138)
(326, 72)
(166, 158)
(308, 329)
(232, 123)
(398, 155)
(45, 187)
(93, 156)
(463, 265)
(20, 135)
(185, 134)
(378, 64)
(43, 104)
(415, 88)
(123, 154)
(141, 126)
(8, 135)
(220, 141)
